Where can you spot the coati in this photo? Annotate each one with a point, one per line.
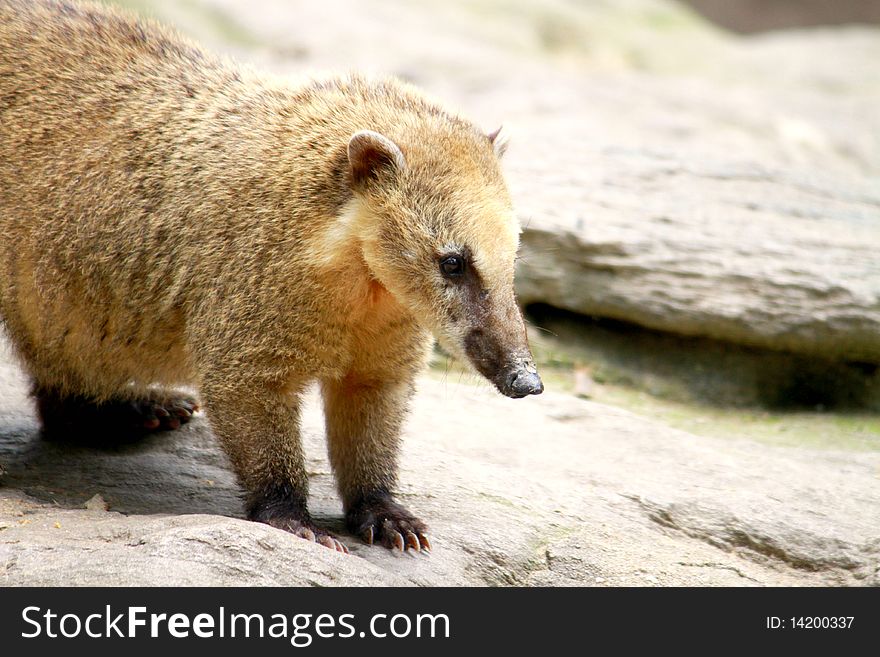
(167, 218)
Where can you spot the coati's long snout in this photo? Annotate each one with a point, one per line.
(501, 353)
(488, 320)
(522, 380)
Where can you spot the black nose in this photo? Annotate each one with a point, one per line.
(523, 382)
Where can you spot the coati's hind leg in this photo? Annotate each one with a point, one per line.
(65, 415)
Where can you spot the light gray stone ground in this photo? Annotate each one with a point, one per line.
(549, 491)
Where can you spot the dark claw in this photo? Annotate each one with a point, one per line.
(426, 544)
(397, 541)
(183, 412)
(368, 536)
(306, 533)
(412, 541)
(332, 543)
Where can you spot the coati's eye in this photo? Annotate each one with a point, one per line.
(452, 266)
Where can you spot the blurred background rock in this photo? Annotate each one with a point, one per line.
(761, 15)
(701, 206)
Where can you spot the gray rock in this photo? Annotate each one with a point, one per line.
(551, 491)
(46, 546)
(664, 219)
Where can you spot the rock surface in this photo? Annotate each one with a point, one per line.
(682, 212)
(553, 491)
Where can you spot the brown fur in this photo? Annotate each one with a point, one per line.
(168, 218)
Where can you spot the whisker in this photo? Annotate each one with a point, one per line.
(546, 330)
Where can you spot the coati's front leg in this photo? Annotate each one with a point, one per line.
(258, 426)
(364, 416)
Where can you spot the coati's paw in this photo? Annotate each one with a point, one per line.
(162, 414)
(305, 529)
(73, 414)
(379, 519)
(280, 506)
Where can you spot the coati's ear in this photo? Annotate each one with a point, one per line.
(372, 155)
(499, 140)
